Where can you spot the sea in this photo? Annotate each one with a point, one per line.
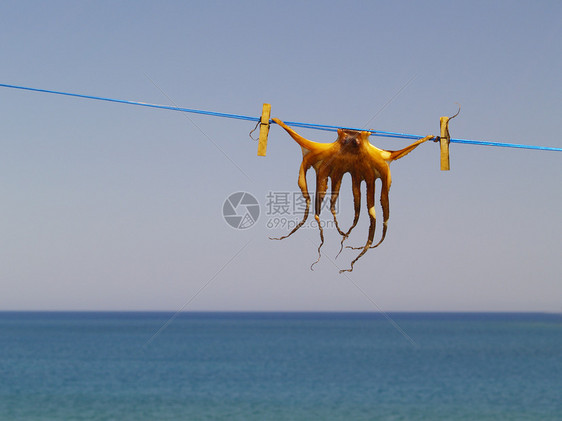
(280, 366)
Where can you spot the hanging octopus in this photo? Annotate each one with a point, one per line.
(350, 153)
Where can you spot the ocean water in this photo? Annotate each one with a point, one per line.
(280, 366)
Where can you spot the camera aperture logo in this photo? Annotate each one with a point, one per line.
(241, 210)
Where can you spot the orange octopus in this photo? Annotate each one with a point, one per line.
(350, 153)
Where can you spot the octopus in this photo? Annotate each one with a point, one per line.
(350, 153)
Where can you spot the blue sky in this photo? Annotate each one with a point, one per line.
(115, 207)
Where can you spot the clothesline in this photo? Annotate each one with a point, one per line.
(380, 133)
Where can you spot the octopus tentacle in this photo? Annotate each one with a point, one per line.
(321, 187)
(305, 143)
(304, 190)
(336, 178)
(385, 209)
(372, 225)
(386, 181)
(356, 188)
(394, 155)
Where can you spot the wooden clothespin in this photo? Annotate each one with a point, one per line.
(264, 129)
(445, 139)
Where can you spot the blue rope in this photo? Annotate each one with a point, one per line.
(143, 104)
(380, 133)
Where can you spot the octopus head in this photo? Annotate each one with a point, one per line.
(352, 140)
